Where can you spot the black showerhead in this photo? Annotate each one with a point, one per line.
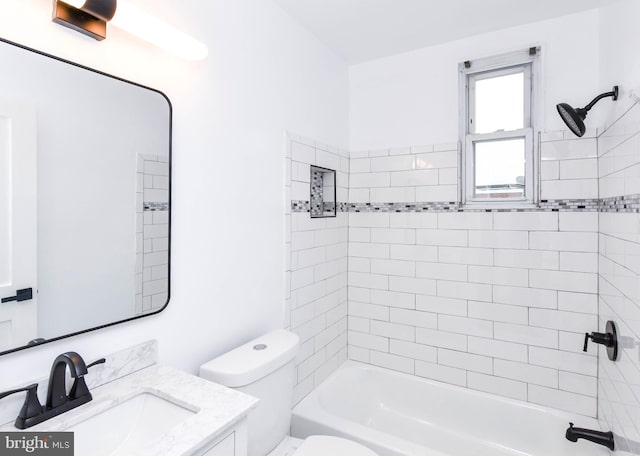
(574, 118)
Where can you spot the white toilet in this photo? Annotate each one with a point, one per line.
(264, 368)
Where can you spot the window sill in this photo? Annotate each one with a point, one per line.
(500, 205)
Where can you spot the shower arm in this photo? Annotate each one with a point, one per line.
(613, 93)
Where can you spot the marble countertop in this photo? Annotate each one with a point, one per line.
(216, 408)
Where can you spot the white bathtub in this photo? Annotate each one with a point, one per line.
(396, 414)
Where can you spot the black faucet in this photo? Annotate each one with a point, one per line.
(601, 438)
(58, 401)
(57, 393)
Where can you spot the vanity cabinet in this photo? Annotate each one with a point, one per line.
(232, 443)
(156, 410)
(225, 448)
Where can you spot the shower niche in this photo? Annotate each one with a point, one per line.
(322, 189)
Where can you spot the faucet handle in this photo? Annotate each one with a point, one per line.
(99, 361)
(31, 406)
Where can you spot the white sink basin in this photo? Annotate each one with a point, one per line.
(127, 427)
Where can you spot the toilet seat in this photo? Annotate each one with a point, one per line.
(322, 445)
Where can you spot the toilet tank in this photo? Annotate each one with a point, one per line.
(263, 368)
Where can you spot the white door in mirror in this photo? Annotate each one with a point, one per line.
(18, 216)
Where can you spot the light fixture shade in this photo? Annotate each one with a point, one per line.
(90, 17)
(145, 26)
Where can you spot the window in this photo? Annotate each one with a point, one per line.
(498, 97)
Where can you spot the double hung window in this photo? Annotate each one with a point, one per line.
(498, 99)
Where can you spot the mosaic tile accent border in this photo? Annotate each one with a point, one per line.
(580, 205)
(586, 205)
(305, 206)
(155, 207)
(628, 203)
(300, 206)
(405, 207)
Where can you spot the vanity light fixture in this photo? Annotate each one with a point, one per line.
(90, 17)
(574, 118)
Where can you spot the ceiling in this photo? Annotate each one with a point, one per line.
(361, 30)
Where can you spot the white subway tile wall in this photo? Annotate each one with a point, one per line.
(493, 301)
(404, 175)
(619, 273)
(316, 266)
(569, 166)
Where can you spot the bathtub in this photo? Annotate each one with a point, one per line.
(397, 414)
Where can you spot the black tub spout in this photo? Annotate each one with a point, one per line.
(601, 438)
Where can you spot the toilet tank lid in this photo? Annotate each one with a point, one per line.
(252, 361)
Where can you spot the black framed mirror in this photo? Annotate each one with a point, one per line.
(85, 199)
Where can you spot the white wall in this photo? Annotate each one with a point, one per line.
(264, 75)
(619, 38)
(412, 98)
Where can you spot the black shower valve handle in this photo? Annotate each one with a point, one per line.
(609, 339)
(605, 339)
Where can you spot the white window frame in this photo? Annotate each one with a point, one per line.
(491, 67)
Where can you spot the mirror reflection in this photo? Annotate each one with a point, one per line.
(84, 198)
